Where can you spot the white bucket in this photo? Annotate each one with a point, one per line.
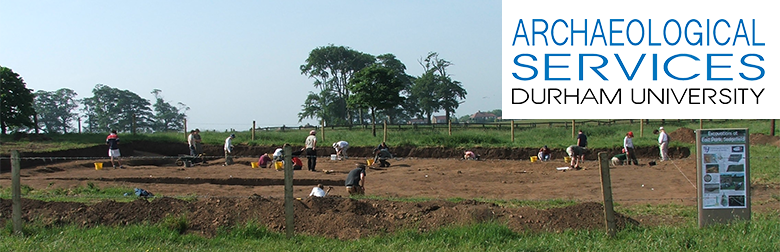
(333, 157)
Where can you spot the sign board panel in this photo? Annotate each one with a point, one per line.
(723, 168)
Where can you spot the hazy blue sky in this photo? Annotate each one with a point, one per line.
(233, 62)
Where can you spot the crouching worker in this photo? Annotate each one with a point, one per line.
(619, 159)
(382, 154)
(297, 163)
(544, 153)
(264, 160)
(318, 191)
(576, 153)
(356, 180)
(469, 155)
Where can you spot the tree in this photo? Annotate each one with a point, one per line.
(56, 109)
(375, 88)
(167, 117)
(408, 108)
(332, 67)
(111, 108)
(435, 90)
(16, 101)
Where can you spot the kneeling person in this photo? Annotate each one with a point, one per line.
(356, 180)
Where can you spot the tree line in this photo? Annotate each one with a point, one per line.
(108, 108)
(357, 88)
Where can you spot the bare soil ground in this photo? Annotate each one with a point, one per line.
(235, 194)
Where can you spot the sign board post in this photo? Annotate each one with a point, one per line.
(723, 175)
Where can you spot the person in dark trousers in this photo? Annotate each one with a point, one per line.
(356, 180)
(628, 146)
(311, 150)
(381, 154)
(112, 140)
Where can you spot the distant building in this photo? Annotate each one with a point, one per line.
(439, 119)
(481, 117)
(417, 121)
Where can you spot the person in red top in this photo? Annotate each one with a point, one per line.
(297, 163)
(264, 160)
(112, 140)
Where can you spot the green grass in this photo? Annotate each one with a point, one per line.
(760, 234)
(600, 135)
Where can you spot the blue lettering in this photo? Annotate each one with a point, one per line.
(535, 32)
(527, 66)
(715, 30)
(744, 33)
(547, 66)
(612, 32)
(666, 66)
(679, 32)
(760, 69)
(628, 28)
(631, 76)
(596, 68)
(698, 42)
(598, 26)
(552, 32)
(520, 24)
(710, 66)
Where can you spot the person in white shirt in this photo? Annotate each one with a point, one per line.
(278, 154)
(311, 150)
(319, 192)
(341, 149)
(628, 146)
(229, 150)
(663, 144)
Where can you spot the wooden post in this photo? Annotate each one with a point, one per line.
(641, 127)
(772, 127)
(323, 131)
(16, 192)
(573, 130)
(701, 123)
(384, 129)
(185, 128)
(449, 127)
(606, 189)
(513, 130)
(254, 124)
(289, 211)
(80, 125)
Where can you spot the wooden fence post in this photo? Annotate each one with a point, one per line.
(513, 130)
(772, 127)
(701, 123)
(254, 124)
(289, 211)
(80, 125)
(449, 127)
(573, 131)
(16, 192)
(384, 125)
(641, 127)
(323, 131)
(606, 189)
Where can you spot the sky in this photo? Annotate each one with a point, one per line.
(234, 62)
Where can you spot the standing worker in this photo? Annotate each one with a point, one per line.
(311, 150)
(341, 149)
(628, 146)
(199, 146)
(582, 141)
(191, 143)
(229, 150)
(113, 149)
(356, 180)
(663, 144)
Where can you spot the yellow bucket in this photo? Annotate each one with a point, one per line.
(255, 165)
(567, 159)
(98, 166)
(369, 162)
(534, 159)
(279, 165)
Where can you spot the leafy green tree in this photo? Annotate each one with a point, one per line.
(375, 88)
(16, 102)
(332, 67)
(435, 90)
(111, 108)
(56, 110)
(166, 116)
(408, 108)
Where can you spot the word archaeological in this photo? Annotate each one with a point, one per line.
(672, 33)
(692, 96)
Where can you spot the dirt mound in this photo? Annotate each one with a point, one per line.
(761, 139)
(683, 135)
(336, 217)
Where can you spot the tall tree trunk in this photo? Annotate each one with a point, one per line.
(373, 121)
